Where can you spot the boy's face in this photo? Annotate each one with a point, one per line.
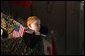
(35, 26)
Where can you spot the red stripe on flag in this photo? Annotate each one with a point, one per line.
(21, 30)
(54, 52)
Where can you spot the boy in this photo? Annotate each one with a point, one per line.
(32, 36)
(33, 23)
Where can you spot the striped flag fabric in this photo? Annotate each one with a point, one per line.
(47, 47)
(18, 31)
(50, 47)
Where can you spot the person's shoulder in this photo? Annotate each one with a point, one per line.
(27, 32)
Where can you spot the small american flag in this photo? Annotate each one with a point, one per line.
(18, 31)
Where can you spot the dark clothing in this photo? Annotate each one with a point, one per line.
(34, 42)
(29, 44)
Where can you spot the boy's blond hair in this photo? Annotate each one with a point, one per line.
(31, 19)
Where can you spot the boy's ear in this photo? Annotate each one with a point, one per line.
(29, 25)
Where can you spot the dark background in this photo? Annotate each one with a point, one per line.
(63, 17)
